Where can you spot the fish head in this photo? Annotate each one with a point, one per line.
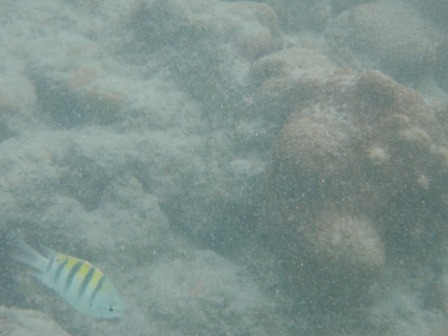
(107, 304)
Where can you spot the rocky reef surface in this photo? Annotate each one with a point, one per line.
(357, 171)
(27, 323)
(235, 167)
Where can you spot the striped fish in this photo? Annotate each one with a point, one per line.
(80, 283)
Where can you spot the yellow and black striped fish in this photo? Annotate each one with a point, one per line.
(80, 283)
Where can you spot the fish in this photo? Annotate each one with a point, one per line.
(81, 284)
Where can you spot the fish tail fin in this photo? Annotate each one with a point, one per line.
(27, 255)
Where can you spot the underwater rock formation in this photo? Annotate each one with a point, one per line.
(27, 323)
(17, 104)
(344, 245)
(209, 44)
(318, 144)
(357, 169)
(285, 79)
(391, 36)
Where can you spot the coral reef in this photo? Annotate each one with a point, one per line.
(229, 177)
(355, 170)
(126, 139)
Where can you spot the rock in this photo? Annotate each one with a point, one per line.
(19, 322)
(436, 10)
(390, 36)
(437, 297)
(286, 79)
(317, 144)
(344, 256)
(210, 44)
(346, 247)
(335, 163)
(190, 291)
(18, 104)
